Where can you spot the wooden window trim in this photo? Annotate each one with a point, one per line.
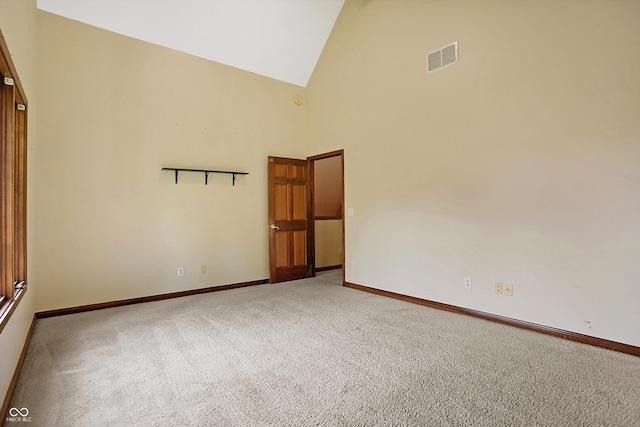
(13, 186)
(8, 307)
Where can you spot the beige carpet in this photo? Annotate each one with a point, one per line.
(312, 352)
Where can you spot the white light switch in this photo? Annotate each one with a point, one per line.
(350, 212)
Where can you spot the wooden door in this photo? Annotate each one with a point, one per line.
(289, 208)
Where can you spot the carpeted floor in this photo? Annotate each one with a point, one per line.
(312, 352)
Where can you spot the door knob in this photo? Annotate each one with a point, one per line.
(274, 227)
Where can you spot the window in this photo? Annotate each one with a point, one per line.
(13, 188)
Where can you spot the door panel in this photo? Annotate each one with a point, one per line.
(299, 248)
(289, 208)
(281, 202)
(281, 170)
(299, 202)
(282, 249)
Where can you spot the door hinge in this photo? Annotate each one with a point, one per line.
(21, 107)
(8, 81)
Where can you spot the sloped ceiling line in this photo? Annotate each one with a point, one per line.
(281, 39)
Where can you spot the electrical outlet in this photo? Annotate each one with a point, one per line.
(499, 288)
(508, 290)
(203, 268)
(180, 271)
(467, 282)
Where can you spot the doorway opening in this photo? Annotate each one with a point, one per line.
(326, 224)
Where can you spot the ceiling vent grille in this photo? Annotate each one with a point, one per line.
(441, 58)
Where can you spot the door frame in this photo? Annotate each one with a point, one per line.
(311, 242)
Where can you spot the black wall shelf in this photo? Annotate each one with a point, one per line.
(206, 173)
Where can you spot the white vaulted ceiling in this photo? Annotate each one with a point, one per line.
(282, 39)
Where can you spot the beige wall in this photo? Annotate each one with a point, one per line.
(18, 24)
(519, 164)
(328, 242)
(114, 111)
(327, 187)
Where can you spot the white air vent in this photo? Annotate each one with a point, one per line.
(442, 57)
